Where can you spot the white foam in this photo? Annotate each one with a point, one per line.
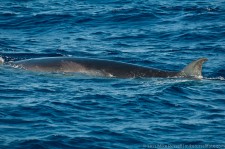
(216, 78)
(198, 77)
(1, 60)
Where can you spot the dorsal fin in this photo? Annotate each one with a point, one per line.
(194, 69)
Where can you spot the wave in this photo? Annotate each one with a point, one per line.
(21, 56)
(44, 20)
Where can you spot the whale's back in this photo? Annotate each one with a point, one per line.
(106, 67)
(92, 66)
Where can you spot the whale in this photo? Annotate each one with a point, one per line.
(106, 68)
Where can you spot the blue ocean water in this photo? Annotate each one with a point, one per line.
(64, 111)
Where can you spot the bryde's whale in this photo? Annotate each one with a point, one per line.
(105, 68)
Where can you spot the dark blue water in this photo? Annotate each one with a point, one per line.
(64, 111)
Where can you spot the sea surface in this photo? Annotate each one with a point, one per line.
(50, 110)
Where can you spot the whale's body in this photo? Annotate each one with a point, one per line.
(105, 67)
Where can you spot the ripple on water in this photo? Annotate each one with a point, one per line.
(39, 110)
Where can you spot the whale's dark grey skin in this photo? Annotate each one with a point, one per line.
(105, 67)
